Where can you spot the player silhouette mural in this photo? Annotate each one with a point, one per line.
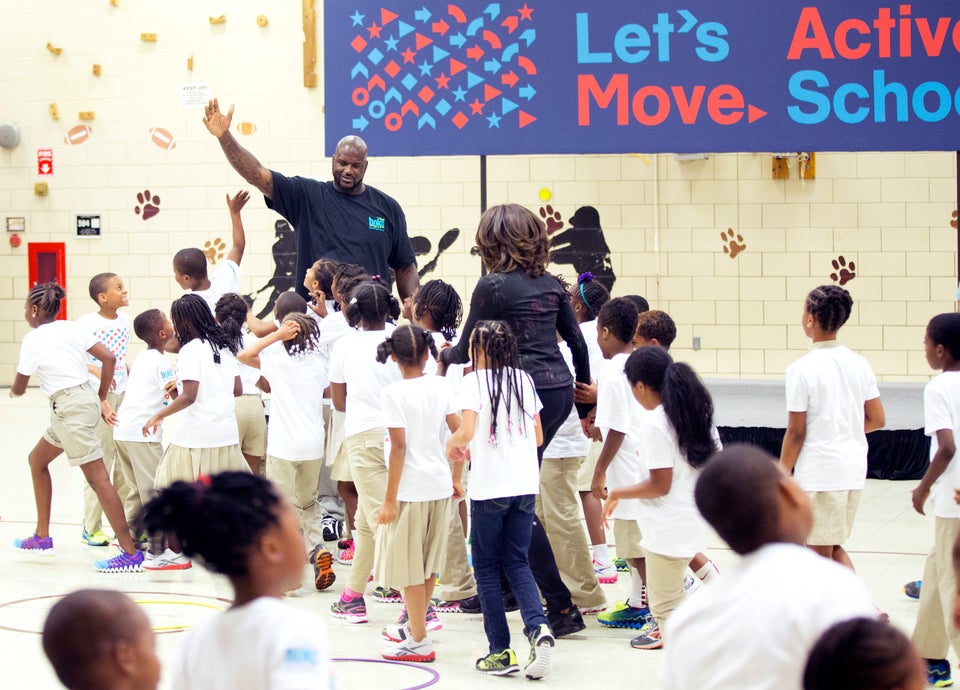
(285, 265)
(584, 247)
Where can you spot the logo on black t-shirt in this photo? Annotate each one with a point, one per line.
(379, 224)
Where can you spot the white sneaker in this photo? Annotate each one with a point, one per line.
(168, 560)
(606, 572)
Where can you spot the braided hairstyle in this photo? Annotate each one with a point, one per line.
(371, 302)
(830, 306)
(323, 272)
(408, 344)
(217, 519)
(590, 293)
(46, 297)
(192, 319)
(686, 401)
(307, 341)
(498, 345)
(442, 303)
(345, 278)
(231, 313)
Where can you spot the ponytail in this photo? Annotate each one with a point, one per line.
(408, 344)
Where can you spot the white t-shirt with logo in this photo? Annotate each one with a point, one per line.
(145, 397)
(354, 362)
(211, 421)
(295, 429)
(225, 279)
(115, 335)
(785, 595)
(831, 383)
(941, 410)
(420, 407)
(504, 465)
(618, 410)
(57, 353)
(671, 524)
(265, 643)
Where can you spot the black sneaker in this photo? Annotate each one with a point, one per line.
(566, 623)
(332, 528)
(468, 605)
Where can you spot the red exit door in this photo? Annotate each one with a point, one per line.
(48, 264)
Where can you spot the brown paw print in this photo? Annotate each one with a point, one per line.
(843, 272)
(148, 205)
(732, 243)
(214, 249)
(953, 220)
(553, 218)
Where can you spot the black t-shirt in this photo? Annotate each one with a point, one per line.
(367, 228)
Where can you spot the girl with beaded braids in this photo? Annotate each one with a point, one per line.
(237, 524)
(231, 313)
(207, 439)
(418, 411)
(56, 351)
(832, 402)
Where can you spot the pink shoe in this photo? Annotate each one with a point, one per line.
(606, 572)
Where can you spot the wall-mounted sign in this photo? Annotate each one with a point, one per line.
(194, 94)
(16, 224)
(88, 226)
(44, 161)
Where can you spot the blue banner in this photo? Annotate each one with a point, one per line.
(561, 76)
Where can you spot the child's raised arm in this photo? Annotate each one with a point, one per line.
(235, 205)
(250, 355)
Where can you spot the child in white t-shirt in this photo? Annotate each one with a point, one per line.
(112, 328)
(675, 440)
(356, 383)
(56, 351)
(190, 264)
(500, 423)
(833, 402)
(289, 360)
(206, 439)
(151, 387)
(242, 528)
(413, 520)
(935, 631)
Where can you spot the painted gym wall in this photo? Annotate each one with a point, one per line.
(719, 244)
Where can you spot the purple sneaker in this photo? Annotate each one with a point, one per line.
(121, 563)
(35, 544)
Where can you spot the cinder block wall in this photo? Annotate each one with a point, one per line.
(667, 223)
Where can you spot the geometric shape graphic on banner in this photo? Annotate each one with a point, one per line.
(436, 78)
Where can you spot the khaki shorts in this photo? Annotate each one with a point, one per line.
(74, 413)
(833, 513)
(252, 425)
(411, 549)
(587, 467)
(627, 536)
(186, 464)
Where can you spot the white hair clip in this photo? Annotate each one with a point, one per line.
(353, 300)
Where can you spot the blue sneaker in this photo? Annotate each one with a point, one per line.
(35, 544)
(623, 615)
(121, 563)
(938, 673)
(912, 589)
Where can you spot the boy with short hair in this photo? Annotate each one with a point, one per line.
(935, 633)
(190, 264)
(101, 640)
(781, 593)
(655, 327)
(151, 387)
(112, 328)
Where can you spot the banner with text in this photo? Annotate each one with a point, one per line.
(433, 78)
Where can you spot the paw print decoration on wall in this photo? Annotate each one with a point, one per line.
(733, 243)
(214, 249)
(953, 220)
(148, 205)
(843, 272)
(552, 218)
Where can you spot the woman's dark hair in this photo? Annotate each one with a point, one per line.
(323, 272)
(346, 277)
(944, 329)
(231, 314)
(686, 401)
(442, 303)
(192, 319)
(46, 297)
(217, 519)
(860, 654)
(511, 237)
(408, 344)
(307, 340)
(830, 306)
(371, 302)
(619, 316)
(591, 293)
(499, 347)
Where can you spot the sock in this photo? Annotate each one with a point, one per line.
(601, 554)
(349, 594)
(638, 590)
(708, 573)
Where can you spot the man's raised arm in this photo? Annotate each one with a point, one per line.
(242, 160)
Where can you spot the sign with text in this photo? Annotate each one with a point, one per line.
(568, 76)
(88, 226)
(44, 161)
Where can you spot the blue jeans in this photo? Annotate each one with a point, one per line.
(500, 539)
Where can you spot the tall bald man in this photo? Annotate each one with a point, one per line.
(344, 219)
